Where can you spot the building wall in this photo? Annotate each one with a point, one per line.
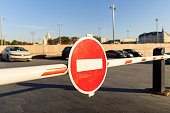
(102, 39)
(166, 38)
(146, 49)
(151, 37)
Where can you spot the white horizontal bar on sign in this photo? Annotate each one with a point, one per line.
(89, 64)
(118, 62)
(21, 74)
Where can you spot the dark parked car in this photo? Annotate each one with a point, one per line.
(135, 53)
(168, 59)
(128, 55)
(66, 52)
(115, 54)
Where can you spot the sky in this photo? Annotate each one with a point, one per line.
(81, 17)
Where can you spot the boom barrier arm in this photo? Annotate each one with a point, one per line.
(119, 62)
(21, 74)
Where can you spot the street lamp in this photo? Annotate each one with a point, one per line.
(157, 29)
(113, 8)
(5, 39)
(33, 33)
(59, 25)
(127, 34)
(99, 31)
(2, 18)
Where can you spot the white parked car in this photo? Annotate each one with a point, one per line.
(13, 53)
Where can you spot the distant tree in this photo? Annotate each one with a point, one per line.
(20, 43)
(96, 37)
(25, 43)
(14, 42)
(51, 42)
(64, 40)
(8, 43)
(74, 39)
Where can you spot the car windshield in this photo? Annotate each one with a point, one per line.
(123, 51)
(133, 50)
(17, 49)
(117, 51)
(67, 49)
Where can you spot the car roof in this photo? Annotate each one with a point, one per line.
(68, 47)
(112, 50)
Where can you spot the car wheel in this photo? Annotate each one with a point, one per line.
(63, 57)
(28, 60)
(2, 59)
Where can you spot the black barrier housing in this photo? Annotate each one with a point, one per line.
(158, 71)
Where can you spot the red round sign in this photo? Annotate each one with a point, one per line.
(87, 65)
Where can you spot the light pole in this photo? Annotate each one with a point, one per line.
(99, 31)
(59, 25)
(157, 29)
(144, 38)
(33, 33)
(5, 39)
(127, 34)
(113, 8)
(2, 18)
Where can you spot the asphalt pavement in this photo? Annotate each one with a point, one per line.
(123, 91)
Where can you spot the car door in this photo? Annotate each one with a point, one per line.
(113, 54)
(4, 53)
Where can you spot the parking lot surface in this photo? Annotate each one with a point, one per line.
(123, 91)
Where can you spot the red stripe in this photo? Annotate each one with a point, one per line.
(128, 61)
(162, 57)
(107, 63)
(154, 58)
(56, 71)
(56, 68)
(144, 59)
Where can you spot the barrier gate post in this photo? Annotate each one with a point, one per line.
(159, 73)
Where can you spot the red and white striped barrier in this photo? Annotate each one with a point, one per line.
(118, 62)
(14, 75)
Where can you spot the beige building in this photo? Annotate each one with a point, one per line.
(46, 38)
(154, 37)
(102, 39)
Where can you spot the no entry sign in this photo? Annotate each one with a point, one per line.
(87, 65)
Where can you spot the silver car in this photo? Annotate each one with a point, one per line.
(13, 53)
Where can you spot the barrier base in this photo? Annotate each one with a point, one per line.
(166, 92)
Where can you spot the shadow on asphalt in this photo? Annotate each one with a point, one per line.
(46, 58)
(123, 90)
(49, 58)
(36, 86)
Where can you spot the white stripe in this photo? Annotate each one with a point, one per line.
(89, 64)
